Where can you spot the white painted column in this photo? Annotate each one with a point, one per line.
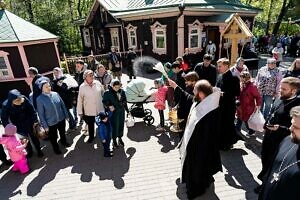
(180, 35)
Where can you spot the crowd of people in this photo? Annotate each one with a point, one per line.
(212, 103)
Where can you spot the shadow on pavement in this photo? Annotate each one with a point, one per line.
(168, 140)
(140, 132)
(238, 175)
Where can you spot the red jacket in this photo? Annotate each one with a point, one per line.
(249, 94)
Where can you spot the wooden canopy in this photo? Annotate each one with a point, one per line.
(236, 30)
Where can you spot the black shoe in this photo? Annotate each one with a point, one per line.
(108, 155)
(66, 144)
(40, 154)
(8, 162)
(115, 144)
(257, 189)
(121, 143)
(57, 151)
(90, 140)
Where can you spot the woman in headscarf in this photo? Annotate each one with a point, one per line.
(115, 100)
(65, 85)
(53, 114)
(18, 110)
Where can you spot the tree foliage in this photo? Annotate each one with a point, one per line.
(277, 16)
(55, 16)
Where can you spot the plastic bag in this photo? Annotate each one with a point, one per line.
(130, 121)
(256, 121)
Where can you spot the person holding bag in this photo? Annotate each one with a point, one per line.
(250, 101)
(18, 110)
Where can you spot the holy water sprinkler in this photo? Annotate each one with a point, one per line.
(159, 67)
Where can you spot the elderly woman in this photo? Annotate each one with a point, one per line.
(268, 80)
(53, 114)
(294, 69)
(103, 76)
(250, 101)
(65, 85)
(239, 67)
(18, 110)
(114, 99)
(89, 102)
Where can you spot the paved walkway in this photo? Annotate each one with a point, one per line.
(148, 167)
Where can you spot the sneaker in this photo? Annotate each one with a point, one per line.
(160, 129)
(121, 143)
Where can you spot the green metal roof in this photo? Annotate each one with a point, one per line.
(126, 6)
(16, 29)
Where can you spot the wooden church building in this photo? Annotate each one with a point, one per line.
(23, 45)
(161, 28)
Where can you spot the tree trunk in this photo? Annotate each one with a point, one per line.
(28, 5)
(282, 13)
(70, 3)
(269, 17)
(79, 8)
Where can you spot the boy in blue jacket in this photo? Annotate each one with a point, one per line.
(105, 131)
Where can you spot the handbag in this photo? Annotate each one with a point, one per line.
(130, 121)
(256, 121)
(39, 131)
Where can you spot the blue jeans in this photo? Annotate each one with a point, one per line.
(266, 105)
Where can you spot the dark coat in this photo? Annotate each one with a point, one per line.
(287, 187)
(23, 116)
(110, 97)
(279, 114)
(208, 73)
(184, 101)
(67, 95)
(230, 86)
(202, 155)
(294, 73)
(114, 59)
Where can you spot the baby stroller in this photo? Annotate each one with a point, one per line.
(137, 95)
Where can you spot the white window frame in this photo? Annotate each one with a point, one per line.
(8, 69)
(130, 29)
(87, 37)
(196, 25)
(154, 29)
(114, 33)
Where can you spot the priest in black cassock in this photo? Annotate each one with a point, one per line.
(279, 121)
(283, 178)
(199, 153)
(230, 87)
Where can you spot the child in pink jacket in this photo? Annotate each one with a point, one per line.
(160, 102)
(16, 149)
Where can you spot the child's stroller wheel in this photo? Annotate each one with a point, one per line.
(149, 120)
(148, 112)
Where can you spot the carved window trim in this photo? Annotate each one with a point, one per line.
(196, 25)
(159, 30)
(131, 29)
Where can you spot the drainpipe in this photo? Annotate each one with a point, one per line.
(180, 29)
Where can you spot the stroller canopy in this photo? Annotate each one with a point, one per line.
(136, 92)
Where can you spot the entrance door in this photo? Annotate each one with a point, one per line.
(213, 34)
